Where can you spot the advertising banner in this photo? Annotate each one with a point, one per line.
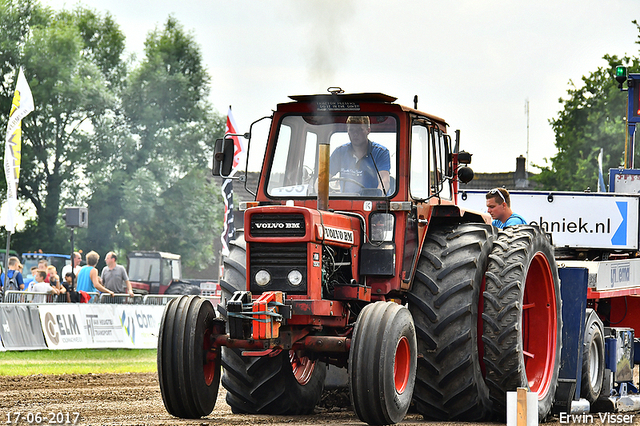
(89, 325)
(102, 328)
(587, 220)
(20, 327)
(62, 325)
(141, 324)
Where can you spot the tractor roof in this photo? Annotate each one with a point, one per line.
(350, 101)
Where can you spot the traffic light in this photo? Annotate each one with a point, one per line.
(621, 75)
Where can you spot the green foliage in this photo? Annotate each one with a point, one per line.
(130, 141)
(593, 117)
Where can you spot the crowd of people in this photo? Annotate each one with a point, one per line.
(79, 280)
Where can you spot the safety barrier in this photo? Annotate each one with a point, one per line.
(122, 298)
(17, 296)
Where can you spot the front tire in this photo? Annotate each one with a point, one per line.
(592, 358)
(444, 300)
(522, 318)
(188, 366)
(382, 363)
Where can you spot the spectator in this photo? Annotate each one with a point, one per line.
(88, 279)
(77, 258)
(30, 277)
(70, 288)
(42, 266)
(54, 280)
(16, 281)
(499, 207)
(39, 286)
(115, 277)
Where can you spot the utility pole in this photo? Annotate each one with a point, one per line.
(526, 111)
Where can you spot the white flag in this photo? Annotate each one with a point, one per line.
(22, 105)
(601, 186)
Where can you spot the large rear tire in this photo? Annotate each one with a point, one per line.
(444, 301)
(183, 288)
(592, 358)
(188, 367)
(522, 318)
(287, 383)
(382, 363)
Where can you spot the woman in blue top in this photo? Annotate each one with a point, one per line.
(88, 279)
(499, 207)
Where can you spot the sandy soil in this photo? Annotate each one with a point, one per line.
(134, 399)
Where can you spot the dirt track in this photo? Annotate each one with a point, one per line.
(134, 399)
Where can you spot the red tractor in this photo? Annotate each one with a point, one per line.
(361, 259)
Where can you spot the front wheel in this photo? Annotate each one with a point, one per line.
(382, 363)
(285, 384)
(592, 358)
(522, 318)
(188, 366)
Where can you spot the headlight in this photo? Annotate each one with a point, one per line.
(263, 278)
(295, 277)
(382, 225)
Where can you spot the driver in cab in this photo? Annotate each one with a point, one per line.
(360, 163)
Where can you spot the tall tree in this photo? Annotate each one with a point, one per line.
(149, 177)
(68, 72)
(592, 117)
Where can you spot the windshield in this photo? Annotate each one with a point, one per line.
(363, 155)
(144, 269)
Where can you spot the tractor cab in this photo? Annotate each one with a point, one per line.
(382, 168)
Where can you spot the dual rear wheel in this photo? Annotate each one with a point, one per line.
(488, 315)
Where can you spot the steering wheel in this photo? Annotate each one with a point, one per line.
(333, 179)
(307, 174)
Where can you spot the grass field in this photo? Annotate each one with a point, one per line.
(77, 361)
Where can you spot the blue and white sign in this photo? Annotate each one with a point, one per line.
(575, 219)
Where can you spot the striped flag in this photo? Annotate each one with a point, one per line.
(228, 227)
(22, 105)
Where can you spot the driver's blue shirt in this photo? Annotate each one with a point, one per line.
(345, 161)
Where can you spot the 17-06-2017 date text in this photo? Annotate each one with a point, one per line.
(51, 418)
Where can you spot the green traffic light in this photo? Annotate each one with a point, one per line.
(621, 75)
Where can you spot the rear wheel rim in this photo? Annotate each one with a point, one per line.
(210, 357)
(594, 364)
(302, 367)
(402, 365)
(539, 325)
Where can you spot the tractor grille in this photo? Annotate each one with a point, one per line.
(277, 225)
(278, 260)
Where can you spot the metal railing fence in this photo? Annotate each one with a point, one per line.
(17, 296)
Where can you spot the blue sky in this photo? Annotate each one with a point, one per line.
(474, 63)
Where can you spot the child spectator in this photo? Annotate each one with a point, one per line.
(54, 280)
(70, 288)
(42, 265)
(31, 277)
(39, 286)
(15, 277)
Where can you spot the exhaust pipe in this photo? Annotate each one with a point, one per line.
(323, 176)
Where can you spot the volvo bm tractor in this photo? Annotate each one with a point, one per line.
(355, 254)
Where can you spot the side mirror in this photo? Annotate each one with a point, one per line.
(465, 174)
(464, 157)
(222, 157)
